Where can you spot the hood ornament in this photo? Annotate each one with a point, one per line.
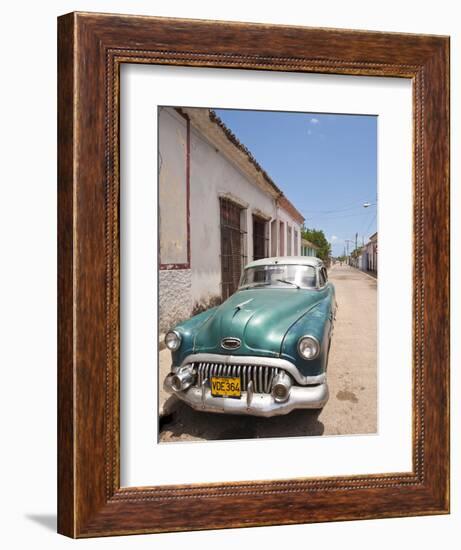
(231, 343)
(238, 307)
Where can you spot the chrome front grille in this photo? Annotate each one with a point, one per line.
(261, 376)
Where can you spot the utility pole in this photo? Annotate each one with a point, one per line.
(347, 244)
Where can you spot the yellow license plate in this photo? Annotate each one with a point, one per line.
(223, 386)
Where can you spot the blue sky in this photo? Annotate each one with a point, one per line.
(324, 163)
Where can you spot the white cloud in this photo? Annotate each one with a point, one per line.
(334, 239)
(314, 120)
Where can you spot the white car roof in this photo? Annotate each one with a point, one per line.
(287, 260)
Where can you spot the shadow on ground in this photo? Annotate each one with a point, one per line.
(48, 521)
(185, 424)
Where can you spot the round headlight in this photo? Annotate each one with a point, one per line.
(172, 340)
(308, 347)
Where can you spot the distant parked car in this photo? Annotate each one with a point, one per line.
(264, 351)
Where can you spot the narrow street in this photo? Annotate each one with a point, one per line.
(352, 368)
(352, 379)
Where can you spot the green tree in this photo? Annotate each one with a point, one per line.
(317, 237)
(356, 252)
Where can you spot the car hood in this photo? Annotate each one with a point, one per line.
(258, 317)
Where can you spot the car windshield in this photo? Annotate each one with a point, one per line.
(279, 275)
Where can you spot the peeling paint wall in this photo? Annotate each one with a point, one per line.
(200, 307)
(186, 289)
(175, 297)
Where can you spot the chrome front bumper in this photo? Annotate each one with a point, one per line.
(256, 404)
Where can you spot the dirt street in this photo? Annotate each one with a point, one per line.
(352, 378)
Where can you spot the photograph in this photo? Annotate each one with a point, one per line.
(267, 274)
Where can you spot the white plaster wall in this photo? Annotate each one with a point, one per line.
(175, 300)
(175, 297)
(172, 187)
(213, 175)
(274, 231)
(287, 219)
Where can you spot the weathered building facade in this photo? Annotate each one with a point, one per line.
(372, 253)
(218, 210)
(308, 248)
(367, 260)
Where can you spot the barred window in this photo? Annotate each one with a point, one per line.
(233, 257)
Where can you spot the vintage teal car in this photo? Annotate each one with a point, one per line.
(264, 351)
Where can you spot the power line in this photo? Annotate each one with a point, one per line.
(369, 225)
(338, 217)
(344, 209)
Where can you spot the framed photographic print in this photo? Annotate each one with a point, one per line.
(253, 275)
